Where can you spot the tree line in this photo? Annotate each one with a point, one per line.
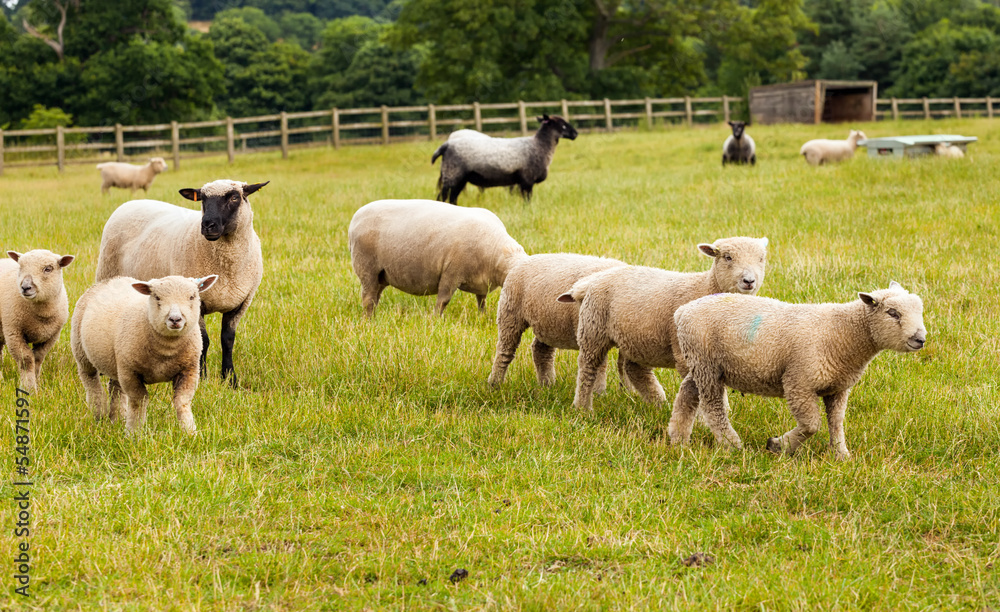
(101, 62)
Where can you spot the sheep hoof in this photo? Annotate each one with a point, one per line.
(774, 445)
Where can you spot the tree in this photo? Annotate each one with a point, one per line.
(949, 60)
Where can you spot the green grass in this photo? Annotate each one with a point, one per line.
(360, 458)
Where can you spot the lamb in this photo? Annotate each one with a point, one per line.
(821, 151)
(739, 148)
(528, 299)
(33, 309)
(632, 307)
(484, 161)
(127, 176)
(148, 239)
(425, 247)
(796, 351)
(946, 149)
(136, 334)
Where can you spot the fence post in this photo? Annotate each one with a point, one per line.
(649, 113)
(432, 122)
(895, 109)
(565, 110)
(385, 124)
(60, 147)
(230, 139)
(989, 115)
(336, 127)
(958, 108)
(119, 142)
(1, 152)
(175, 143)
(725, 108)
(522, 114)
(927, 108)
(689, 115)
(477, 115)
(607, 115)
(284, 135)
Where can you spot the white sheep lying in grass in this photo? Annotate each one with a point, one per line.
(425, 247)
(632, 307)
(33, 309)
(151, 239)
(821, 151)
(127, 176)
(136, 334)
(528, 299)
(945, 149)
(796, 351)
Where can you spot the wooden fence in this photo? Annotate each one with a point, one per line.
(336, 127)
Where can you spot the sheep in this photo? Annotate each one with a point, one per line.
(946, 149)
(473, 157)
(425, 247)
(739, 148)
(528, 299)
(796, 351)
(136, 334)
(127, 176)
(821, 151)
(149, 239)
(33, 309)
(632, 307)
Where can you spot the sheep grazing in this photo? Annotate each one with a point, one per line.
(528, 299)
(148, 239)
(472, 157)
(739, 148)
(33, 309)
(821, 151)
(632, 307)
(945, 149)
(127, 176)
(796, 351)
(136, 334)
(425, 247)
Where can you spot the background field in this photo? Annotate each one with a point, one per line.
(362, 462)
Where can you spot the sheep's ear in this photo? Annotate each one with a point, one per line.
(894, 285)
(248, 189)
(869, 299)
(14, 255)
(65, 260)
(204, 284)
(543, 118)
(192, 194)
(565, 298)
(763, 242)
(142, 288)
(708, 249)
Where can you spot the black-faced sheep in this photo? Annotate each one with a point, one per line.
(127, 176)
(149, 239)
(473, 157)
(796, 351)
(739, 148)
(425, 247)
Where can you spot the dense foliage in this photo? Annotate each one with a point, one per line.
(150, 61)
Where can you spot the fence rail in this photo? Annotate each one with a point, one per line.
(337, 127)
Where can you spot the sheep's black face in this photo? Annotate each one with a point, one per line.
(560, 125)
(220, 212)
(738, 127)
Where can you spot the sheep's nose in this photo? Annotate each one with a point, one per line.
(27, 286)
(175, 321)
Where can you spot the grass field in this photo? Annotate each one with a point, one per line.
(363, 462)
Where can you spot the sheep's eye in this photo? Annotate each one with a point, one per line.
(192, 297)
(728, 257)
(48, 268)
(892, 312)
(157, 298)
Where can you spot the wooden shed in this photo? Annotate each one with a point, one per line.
(815, 101)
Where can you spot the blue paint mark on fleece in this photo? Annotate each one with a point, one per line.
(754, 325)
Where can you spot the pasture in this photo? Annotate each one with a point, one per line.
(362, 462)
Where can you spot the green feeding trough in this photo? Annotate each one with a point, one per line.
(912, 146)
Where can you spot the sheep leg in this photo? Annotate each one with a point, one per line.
(836, 408)
(622, 376)
(593, 358)
(644, 383)
(40, 350)
(91, 380)
(205, 343)
(481, 302)
(25, 358)
(682, 417)
(450, 192)
(371, 284)
(544, 358)
(509, 331)
(526, 192)
(185, 385)
(230, 320)
(115, 409)
(802, 405)
(712, 404)
(447, 287)
(138, 397)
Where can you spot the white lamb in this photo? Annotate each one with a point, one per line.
(425, 247)
(127, 176)
(150, 239)
(796, 351)
(945, 149)
(33, 309)
(821, 151)
(136, 334)
(632, 307)
(528, 299)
